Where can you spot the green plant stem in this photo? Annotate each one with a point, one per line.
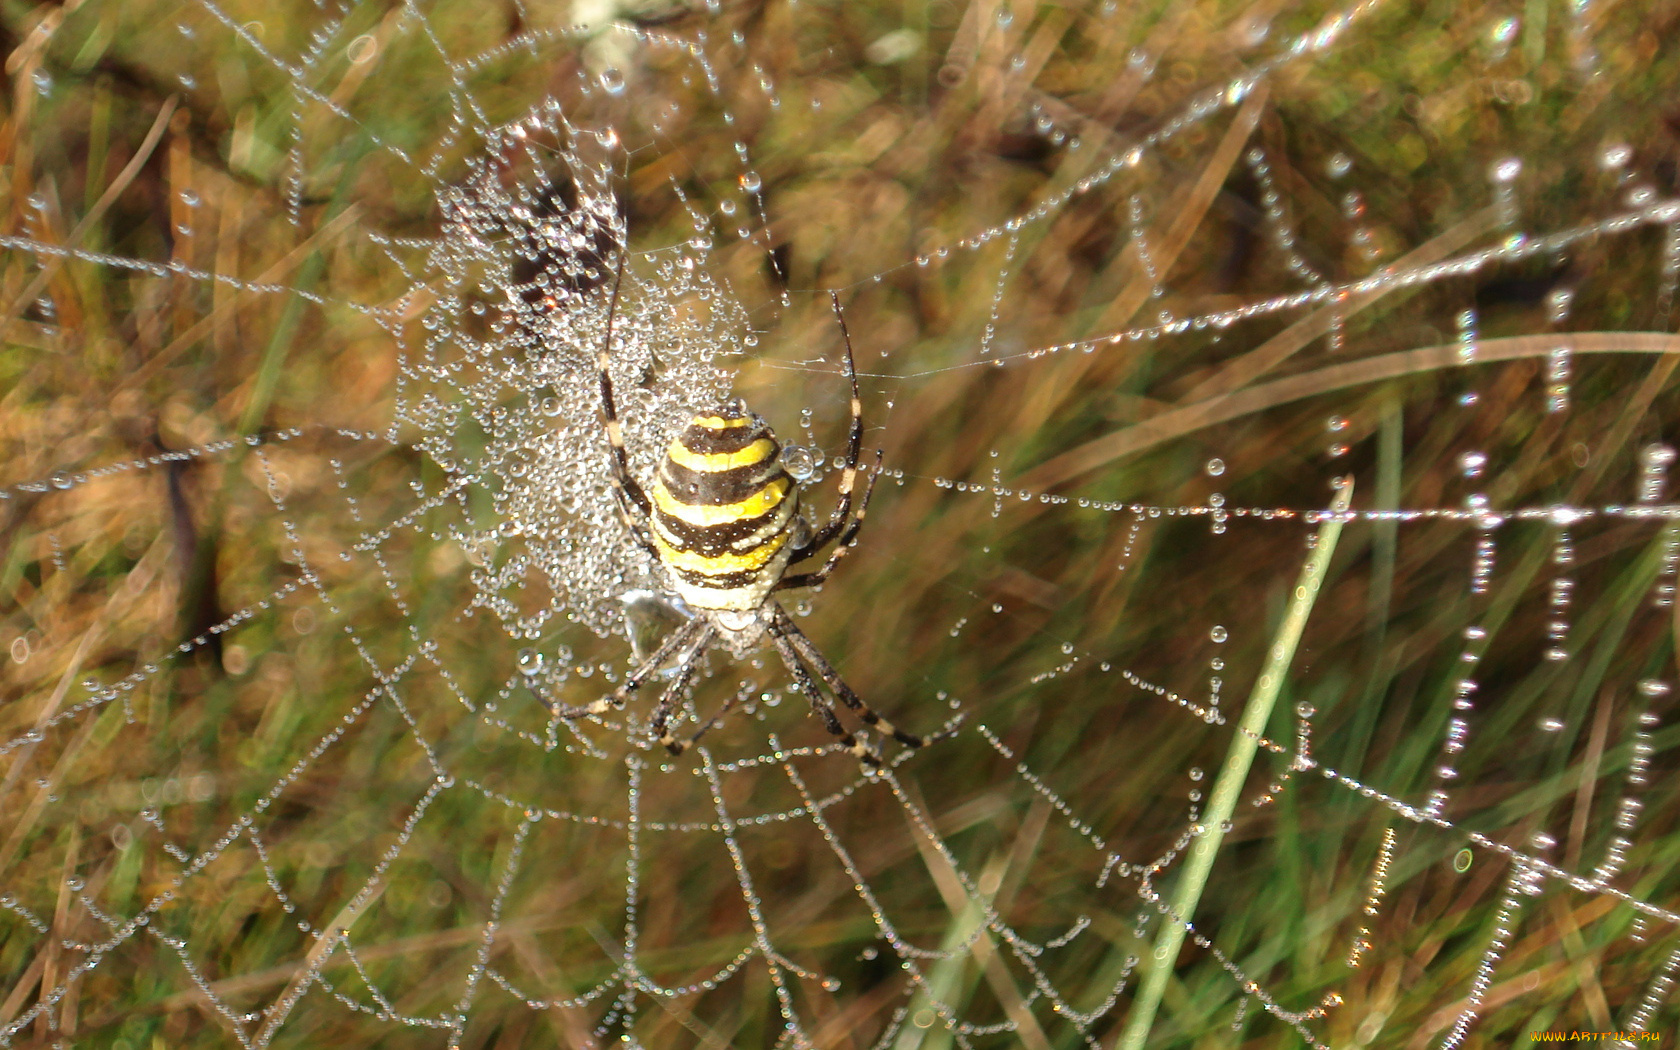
(1232, 774)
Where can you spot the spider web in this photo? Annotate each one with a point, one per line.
(307, 506)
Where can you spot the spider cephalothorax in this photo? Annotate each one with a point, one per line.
(721, 519)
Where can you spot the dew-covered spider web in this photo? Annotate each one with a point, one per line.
(308, 525)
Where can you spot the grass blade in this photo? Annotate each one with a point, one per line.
(1233, 772)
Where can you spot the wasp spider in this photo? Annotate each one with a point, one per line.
(722, 520)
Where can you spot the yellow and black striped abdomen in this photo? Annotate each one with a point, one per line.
(723, 510)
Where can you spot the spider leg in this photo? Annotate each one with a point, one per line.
(854, 445)
(633, 681)
(812, 579)
(622, 479)
(627, 491)
(637, 528)
(786, 631)
(686, 664)
(819, 703)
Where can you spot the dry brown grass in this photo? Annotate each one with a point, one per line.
(945, 598)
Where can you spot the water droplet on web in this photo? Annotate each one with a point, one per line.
(531, 662)
(799, 462)
(1557, 304)
(1656, 455)
(751, 182)
(1218, 634)
(1472, 463)
(1338, 165)
(612, 80)
(1615, 157)
(1215, 467)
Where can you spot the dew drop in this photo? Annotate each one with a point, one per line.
(799, 462)
(531, 662)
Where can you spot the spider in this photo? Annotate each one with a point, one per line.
(722, 521)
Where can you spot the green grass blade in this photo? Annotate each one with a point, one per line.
(1233, 773)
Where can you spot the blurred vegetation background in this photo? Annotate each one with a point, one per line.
(251, 156)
